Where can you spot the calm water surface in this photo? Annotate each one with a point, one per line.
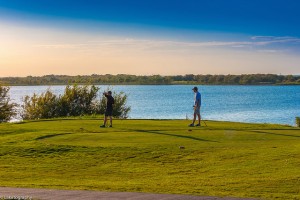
(262, 104)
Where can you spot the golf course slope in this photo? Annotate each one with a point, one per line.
(222, 159)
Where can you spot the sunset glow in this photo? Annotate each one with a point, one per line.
(33, 42)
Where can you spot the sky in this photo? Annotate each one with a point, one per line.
(166, 37)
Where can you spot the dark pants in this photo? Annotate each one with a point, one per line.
(108, 112)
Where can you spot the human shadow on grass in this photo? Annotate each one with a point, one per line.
(278, 134)
(174, 135)
(52, 120)
(44, 120)
(51, 136)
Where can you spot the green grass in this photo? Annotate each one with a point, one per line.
(223, 159)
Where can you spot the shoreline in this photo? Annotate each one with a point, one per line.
(133, 84)
(137, 119)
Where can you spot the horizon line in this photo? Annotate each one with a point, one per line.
(148, 75)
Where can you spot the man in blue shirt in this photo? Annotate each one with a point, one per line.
(197, 106)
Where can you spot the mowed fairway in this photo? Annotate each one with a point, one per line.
(222, 159)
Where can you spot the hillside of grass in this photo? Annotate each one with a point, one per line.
(222, 159)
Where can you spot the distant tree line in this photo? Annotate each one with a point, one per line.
(124, 79)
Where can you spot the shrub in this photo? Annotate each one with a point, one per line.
(298, 121)
(7, 109)
(41, 106)
(78, 100)
(75, 101)
(120, 110)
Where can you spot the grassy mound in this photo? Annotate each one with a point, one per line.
(157, 156)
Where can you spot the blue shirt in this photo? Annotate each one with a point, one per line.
(198, 98)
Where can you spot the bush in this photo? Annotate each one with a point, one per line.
(7, 109)
(78, 100)
(298, 121)
(120, 110)
(75, 101)
(41, 107)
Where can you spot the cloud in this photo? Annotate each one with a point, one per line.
(59, 46)
(272, 39)
(255, 43)
(270, 51)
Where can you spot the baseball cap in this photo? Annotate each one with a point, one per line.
(195, 88)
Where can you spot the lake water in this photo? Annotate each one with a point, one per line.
(261, 104)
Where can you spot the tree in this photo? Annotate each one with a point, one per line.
(7, 109)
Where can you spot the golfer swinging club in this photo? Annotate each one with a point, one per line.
(109, 108)
(196, 106)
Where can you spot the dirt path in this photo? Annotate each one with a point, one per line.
(48, 194)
